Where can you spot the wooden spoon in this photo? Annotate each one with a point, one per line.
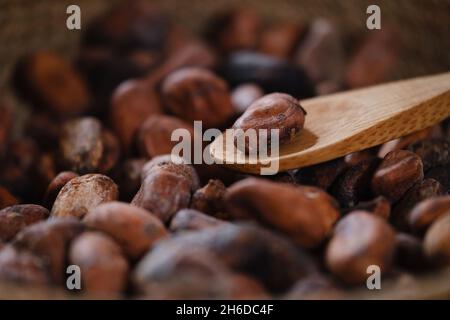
(346, 122)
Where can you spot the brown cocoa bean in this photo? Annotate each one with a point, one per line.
(197, 94)
(86, 147)
(437, 241)
(209, 199)
(409, 252)
(398, 172)
(427, 211)
(49, 240)
(321, 175)
(422, 190)
(23, 267)
(83, 193)
(154, 135)
(360, 239)
(104, 270)
(379, 206)
(433, 152)
(133, 228)
(166, 187)
(46, 80)
(240, 247)
(304, 214)
(189, 219)
(353, 185)
(273, 111)
(56, 185)
(15, 218)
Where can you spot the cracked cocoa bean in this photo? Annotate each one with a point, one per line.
(103, 267)
(304, 214)
(360, 239)
(83, 193)
(133, 228)
(16, 218)
(398, 172)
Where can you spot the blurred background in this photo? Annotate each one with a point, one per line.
(27, 25)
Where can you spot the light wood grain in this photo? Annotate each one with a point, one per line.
(346, 122)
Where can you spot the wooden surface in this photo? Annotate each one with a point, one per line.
(345, 122)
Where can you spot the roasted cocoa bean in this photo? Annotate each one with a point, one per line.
(47, 81)
(441, 174)
(433, 152)
(273, 111)
(16, 218)
(189, 219)
(49, 240)
(305, 214)
(437, 241)
(379, 206)
(398, 172)
(241, 247)
(321, 175)
(209, 199)
(353, 185)
(83, 193)
(23, 267)
(86, 147)
(55, 187)
(103, 267)
(360, 239)
(196, 94)
(409, 252)
(133, 228)
(422, 190)
(166, 187)
(427, 211)
(154, 135)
